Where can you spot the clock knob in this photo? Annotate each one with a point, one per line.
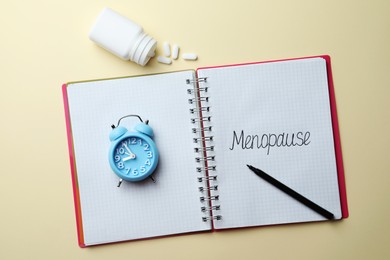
(145, 129)
(117, 132)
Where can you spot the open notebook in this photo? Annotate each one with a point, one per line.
(209, 124)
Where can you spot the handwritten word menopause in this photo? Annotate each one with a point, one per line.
(266, 141)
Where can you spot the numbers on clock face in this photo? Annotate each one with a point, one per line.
(133, 156)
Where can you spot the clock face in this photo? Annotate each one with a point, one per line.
(134, 158)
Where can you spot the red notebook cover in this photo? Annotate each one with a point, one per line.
(76, 196)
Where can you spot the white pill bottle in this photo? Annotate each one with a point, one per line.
(122, 37)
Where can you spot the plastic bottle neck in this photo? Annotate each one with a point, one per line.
(143, 49)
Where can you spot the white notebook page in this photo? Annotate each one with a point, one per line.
(145, 209)
(260, 102)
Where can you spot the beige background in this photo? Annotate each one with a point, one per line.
(44, 43)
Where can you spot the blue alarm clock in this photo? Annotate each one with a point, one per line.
(133, 155)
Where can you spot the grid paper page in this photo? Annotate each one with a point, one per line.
(253, 107)
(144, 209)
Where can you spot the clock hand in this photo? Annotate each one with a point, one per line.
(132, 155)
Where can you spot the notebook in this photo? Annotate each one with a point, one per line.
(279, 116)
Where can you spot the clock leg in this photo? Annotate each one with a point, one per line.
(152, 179)
(119, 183)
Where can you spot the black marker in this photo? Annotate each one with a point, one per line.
(292, 193)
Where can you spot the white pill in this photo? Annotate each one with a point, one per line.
(175, 51)
(190, 56)
(164, 60)
(167, 49)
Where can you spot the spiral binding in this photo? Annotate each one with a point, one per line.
(202, 149)
(197, 100)
(202, 189)
(204, 140)
(198, 130)
(206, 169)
(205, 198)
(207, 178)
(217, 217)
(206, 158)
(194, 110)
(201, 119)
(204, 209)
